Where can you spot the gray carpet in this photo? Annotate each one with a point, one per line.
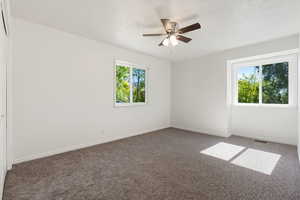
(162, 165)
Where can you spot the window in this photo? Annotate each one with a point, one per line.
(275, 83)
(269, 81)
(130, 84)
(138, 85)
(248, 84)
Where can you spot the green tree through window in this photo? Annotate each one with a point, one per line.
(248, 85)
(273, 79)
(138, 78)
(122, 84)
(275, 83)
(130, 84)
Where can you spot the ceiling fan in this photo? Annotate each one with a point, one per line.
(173, 33)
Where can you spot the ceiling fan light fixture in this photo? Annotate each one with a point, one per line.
(166, 42)
(173, 33)
(173, 40)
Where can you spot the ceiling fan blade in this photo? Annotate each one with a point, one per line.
(161, 43)
(183, 38)
(165, 23)
(154, 34)
(189, 28)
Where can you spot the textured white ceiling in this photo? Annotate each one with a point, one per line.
(225, 23)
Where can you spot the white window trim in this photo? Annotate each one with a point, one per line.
(131, 66)
(290, 56)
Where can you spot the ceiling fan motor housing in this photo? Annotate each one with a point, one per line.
(171, 27)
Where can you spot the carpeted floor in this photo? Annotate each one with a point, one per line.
(162, 165)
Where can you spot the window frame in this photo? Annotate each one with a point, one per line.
(131, 66)
(270, 59)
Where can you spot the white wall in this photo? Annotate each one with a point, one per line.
(4, 58)
(199, 97)
(277, 124)
(63, 93)
(3, 64)
(3, 49)
(299, 100)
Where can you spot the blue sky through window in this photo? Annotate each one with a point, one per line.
(247, 71)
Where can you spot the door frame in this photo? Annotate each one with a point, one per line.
(5, 5)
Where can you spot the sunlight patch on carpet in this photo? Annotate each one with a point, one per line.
(223, 151)
(257, 160)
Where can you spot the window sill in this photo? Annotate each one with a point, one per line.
(264, 105)
(120, 105)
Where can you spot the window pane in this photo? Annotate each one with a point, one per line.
(122, 84)
(138, 85)
(248, 84)
(275, 83)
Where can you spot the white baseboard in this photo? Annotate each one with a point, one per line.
(2, 180)
(78, 146)
(206, 132)
(266, 138)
